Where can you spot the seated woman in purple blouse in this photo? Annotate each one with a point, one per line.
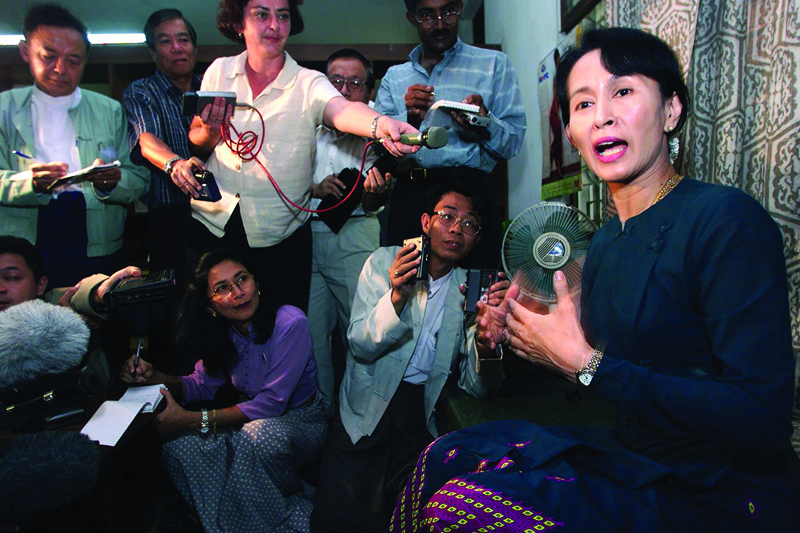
(238, 466)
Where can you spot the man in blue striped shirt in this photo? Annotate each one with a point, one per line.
(159, 137)
(445, 68)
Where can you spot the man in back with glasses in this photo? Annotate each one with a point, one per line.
(443, 67)
(338, 256)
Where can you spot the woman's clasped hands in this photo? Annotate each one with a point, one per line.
(553, 339)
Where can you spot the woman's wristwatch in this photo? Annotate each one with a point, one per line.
(584, 375)
(204, 425)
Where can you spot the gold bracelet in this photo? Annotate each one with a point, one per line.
(214, 423)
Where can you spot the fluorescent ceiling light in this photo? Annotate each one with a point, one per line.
(94, 38)
(116, 38)
(10, 40)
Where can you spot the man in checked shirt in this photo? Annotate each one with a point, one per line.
(159, 141)
(159, 137)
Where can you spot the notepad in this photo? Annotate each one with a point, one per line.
(83, 174)
(111, 420)
(458, 106)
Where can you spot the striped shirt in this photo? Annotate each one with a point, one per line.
(154, 106)
(465, 70)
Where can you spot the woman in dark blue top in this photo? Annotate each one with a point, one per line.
(684, 327)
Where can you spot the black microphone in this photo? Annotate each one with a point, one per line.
(433, 137)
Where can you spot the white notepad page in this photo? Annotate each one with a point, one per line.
(149, 395)
(113, 417)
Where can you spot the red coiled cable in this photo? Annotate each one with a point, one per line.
(248, 145)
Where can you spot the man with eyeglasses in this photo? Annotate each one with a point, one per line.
(443, 67)
(406, 338)
(337, 256)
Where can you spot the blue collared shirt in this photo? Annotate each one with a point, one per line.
(154, 106)
(464, 70)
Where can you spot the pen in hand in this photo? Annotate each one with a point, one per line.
(25, 156)
(136, 359)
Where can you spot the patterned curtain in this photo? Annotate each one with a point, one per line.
(742, 64)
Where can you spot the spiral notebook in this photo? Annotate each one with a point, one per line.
(111, 420)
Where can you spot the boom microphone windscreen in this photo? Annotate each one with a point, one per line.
(46, 470)
(37, 338)
(433, 137)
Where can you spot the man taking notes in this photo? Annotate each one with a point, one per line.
(77, 227)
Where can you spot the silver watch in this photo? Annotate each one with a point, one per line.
(169, 164)
(584, 375)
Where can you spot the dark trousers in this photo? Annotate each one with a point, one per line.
(62, 239)
(284, 268)
(408, 205)
(168, 237)
(359, 483)
(168, 234)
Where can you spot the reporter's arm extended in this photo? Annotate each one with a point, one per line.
(481, 360)
(362, 120)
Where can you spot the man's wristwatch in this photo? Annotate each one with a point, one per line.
(584, 375)
(169, 164)
(204, 425)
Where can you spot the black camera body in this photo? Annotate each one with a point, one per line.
(423, 244)
(193, 103)
(210, 190)
(478, 281)
(152, 287)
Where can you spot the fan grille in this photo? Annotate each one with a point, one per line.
(542, 239)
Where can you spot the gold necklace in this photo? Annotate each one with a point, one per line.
(668, 186)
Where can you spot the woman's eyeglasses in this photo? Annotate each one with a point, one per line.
(469, 225)
(354, 84)
(244, 282)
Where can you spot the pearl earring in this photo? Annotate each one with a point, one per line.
(670, 128)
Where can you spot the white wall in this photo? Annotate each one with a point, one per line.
(527, 30)
(355, 22)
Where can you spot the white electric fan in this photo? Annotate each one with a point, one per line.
(544, 238)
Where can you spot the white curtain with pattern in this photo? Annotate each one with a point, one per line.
(741, 59)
